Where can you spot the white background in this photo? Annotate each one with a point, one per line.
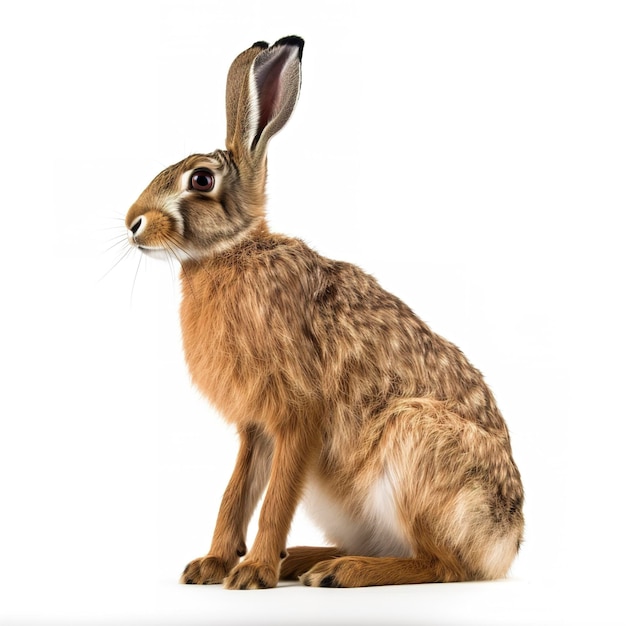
(471, 155)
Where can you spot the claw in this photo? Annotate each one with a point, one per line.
(329, 581)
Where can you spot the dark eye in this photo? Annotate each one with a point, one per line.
(202, 180)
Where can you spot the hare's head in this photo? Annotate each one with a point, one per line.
(206, 202)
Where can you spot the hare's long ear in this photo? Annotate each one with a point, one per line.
(237, 92)
(262, 90)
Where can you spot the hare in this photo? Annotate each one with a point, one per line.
(341, 396)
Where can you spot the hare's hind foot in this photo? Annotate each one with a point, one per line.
(302, 558)
(358, 571)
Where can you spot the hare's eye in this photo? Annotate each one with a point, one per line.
(202, 180)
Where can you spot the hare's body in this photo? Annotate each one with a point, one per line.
(404, 434)
(340, 394)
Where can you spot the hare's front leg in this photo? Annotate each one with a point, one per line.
(260, 568)
(241, 496)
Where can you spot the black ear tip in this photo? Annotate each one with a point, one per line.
(260, 44)
(292, 40)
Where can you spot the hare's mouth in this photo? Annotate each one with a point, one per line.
(156, 253)
(166, 253)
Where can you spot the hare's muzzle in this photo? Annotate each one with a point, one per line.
(153, 230)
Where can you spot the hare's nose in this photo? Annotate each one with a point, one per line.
(137, 226)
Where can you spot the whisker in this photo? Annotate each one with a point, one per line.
(117, 227)
(123, 256)
(174, 247)
(132, 289)
(120, 240)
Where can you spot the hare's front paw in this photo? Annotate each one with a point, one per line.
(207, 570)
(252, 575)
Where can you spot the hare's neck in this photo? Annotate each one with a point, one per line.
(221, 264)
(257, 229)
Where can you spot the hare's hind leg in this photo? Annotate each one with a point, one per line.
(440, 501)
(302, 558)
(363, 571)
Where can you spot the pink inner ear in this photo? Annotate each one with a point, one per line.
(269, 88)
(267, 99)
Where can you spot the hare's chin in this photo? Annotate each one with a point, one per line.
(156, 253)
(163, 254)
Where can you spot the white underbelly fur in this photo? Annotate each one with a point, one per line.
(374, 531)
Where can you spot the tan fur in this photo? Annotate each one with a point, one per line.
(301, 559)
(340, 394)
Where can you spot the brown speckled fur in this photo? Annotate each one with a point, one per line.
(338, 391)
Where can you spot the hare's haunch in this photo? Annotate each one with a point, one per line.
(340, 394)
